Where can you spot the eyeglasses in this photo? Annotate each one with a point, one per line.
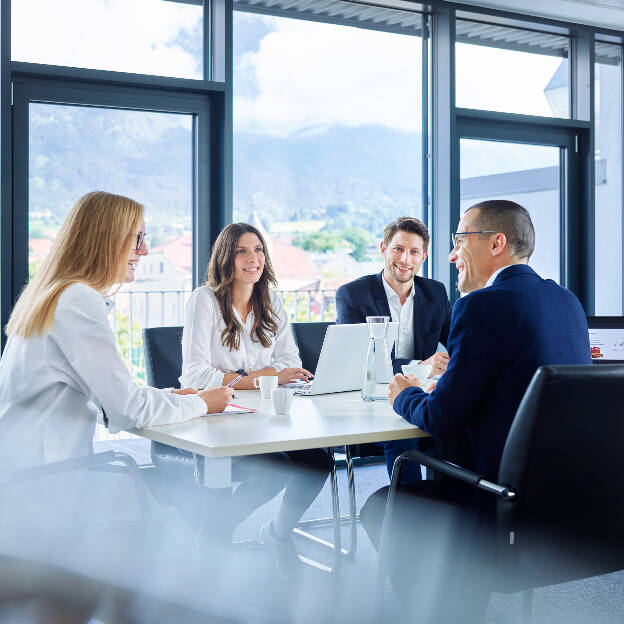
(139, 240)
(455, 241)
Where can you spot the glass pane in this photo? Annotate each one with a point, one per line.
(138, 36)
(144, 155)
(511, 70)
(526, 174)
(327, 147)
(608, 233)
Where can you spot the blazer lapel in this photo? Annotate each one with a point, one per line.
(418, 320)
(379, 296)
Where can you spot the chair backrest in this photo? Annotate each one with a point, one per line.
(163, 356)
(565, 457)
(309, 340)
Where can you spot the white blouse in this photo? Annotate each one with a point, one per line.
(52, 385)
(206, 360)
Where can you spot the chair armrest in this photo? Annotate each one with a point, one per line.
(88, 461)
(68, 465)
(448, 469)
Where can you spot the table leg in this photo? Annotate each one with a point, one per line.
(211, 472)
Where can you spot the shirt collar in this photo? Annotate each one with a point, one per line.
(390, 293)
(495, 275)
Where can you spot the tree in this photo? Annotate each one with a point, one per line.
(359, 239)
(320, 242)
(130, 352)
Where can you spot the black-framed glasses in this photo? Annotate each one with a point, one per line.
(139, 240)
(456, 234)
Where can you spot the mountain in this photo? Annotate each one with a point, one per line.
(372, 172)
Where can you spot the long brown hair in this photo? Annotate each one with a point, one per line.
(220, 278)
(92, 247)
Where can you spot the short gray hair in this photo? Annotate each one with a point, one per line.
(512, 220)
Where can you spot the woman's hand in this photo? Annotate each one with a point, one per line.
(289, 374)
(216, 399)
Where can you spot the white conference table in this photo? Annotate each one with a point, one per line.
(314, 422)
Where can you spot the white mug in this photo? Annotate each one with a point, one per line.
(266, 383)
(282, 399)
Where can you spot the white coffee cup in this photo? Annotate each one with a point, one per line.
(421, 371)
(282, 400)
(266, 383)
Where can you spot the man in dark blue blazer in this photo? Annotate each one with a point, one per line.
(510, 322)
(419, 305)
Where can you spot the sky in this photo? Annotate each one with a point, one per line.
(140, 36)
(291, 76)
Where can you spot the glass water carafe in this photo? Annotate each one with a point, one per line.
(378, 367)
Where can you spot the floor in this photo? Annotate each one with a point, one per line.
(260, 595)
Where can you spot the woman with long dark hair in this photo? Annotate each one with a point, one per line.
(237, 321)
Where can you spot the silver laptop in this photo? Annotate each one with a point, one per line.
(340, 366)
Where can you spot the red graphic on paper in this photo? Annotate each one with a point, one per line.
(595, 353)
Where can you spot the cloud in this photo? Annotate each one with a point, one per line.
(315, 74)
(120, 35)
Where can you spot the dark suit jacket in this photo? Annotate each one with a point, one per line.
(366, 296)
(499, 336)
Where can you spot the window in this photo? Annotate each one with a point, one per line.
(526, 174)
(327, 142)
(511, 70)
(144, 155)
(138, 36)
(608, 178)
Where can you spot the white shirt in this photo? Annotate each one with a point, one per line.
(404, 315)
(495, 275)
(51, 385)
(204, 358)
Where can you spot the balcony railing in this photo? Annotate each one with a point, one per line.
(135, 310)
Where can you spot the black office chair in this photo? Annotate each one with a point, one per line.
(560, 493)
(163, 356)
(163, 366)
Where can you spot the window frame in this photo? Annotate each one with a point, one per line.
(207, 100)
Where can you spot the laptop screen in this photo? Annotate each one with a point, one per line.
(606, 338)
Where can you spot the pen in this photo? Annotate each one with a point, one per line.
(241, 374)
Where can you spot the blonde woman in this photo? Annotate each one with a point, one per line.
(61, 364)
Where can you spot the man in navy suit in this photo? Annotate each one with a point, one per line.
(510, 322)
(419, 305)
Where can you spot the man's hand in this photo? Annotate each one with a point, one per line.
(399, 383)
(438, 361)
(184, 391)
(216, 399)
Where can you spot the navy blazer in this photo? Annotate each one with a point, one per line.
(366, 296)
(499, 336)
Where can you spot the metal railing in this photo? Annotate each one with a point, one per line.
(135, 310)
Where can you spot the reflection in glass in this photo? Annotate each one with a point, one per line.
(526, 174)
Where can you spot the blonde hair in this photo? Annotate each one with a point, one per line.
(92, 247)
